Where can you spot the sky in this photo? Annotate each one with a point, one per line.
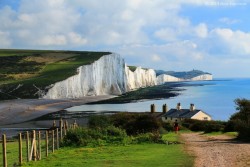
(179, 35)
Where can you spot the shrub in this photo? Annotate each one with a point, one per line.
(99, 121)
(95, 137)
(240, 121)
(206, 126)
(136, 123)
(147, 138)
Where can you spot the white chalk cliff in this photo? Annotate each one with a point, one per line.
(203, 77)
(161, 79)
(109, 75)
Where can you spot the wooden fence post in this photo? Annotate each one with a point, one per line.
(4, 150)
(53, 141)
(47, 143)
(57, 139)
(33, 148)
(28, 145)
(39, 146)
(61, 130)
(64, 128)
(20, 149)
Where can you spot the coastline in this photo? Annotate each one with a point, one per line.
(29, 113)
(14, 113)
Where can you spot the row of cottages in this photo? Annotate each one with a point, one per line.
(180, 114)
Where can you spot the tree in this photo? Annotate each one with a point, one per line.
(240, 121)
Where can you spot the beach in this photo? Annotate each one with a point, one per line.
(20, 113)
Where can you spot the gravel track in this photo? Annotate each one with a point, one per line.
(216, 151)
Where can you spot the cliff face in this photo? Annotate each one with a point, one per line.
(202, 77)
(104, 76)
(108, 75)
(140, 78)
(161, 79)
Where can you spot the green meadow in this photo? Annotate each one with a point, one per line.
(144, 154)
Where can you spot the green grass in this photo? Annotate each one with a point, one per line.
(132, 155)
(40, 68)
(144, 155)
(232, 134)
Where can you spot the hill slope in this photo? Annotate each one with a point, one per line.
(24, 72)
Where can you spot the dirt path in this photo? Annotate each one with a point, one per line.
(217, 151)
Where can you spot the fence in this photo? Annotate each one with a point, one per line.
(33, 145)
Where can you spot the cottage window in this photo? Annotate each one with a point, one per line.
(205, 118)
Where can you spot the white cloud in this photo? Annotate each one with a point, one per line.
(156, 58)
(53, 40)
(228, 21)
(5, 42)
(77, 39)
(201, 30)
(136, 29)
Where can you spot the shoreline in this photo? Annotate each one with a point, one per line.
(26, 113)
(23, 110)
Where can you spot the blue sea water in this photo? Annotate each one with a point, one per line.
(215, 98)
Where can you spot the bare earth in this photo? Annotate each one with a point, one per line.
(217, 151)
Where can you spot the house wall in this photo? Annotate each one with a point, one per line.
(201, 116)
(171, 120)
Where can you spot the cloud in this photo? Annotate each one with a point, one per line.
(228, 21)
(156, 58)
(148, 33)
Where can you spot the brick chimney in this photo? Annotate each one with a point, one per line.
(164, 108)
(192, 107)
(178, 107)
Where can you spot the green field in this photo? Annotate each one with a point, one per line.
(22, 72)
(146, 154)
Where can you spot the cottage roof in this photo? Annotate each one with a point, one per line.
(183, 113)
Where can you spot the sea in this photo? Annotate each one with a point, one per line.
(215, 97)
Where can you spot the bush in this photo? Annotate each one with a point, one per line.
(147, 138)
(240, 121)
(206, 126)
(136, 123)
(99, 121)
(95, 137)
(167, 126)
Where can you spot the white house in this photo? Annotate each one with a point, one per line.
(180, 114)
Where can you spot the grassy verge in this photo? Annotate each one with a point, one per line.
(231, 134)
(131, 155)
(146, 154)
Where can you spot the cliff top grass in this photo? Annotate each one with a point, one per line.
(24, 72)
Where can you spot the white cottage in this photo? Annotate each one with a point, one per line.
(180, 114)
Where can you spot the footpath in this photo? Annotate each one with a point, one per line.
(216, 151)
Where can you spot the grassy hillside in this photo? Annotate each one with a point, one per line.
(24, 72)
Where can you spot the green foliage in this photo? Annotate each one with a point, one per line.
(99, 121)
(95, 137)
(154, 137)
(240, 121)
(136, 123)
(206, 126)
(167, 126)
